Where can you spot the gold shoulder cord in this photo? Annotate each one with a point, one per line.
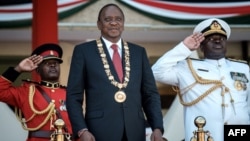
(50, 110)
(202, 81)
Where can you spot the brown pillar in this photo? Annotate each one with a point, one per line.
(44, 24)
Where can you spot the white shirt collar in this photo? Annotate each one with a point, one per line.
(108, 43)
(216, 62)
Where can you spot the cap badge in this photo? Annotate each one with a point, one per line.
(51, 52)
(215, 27)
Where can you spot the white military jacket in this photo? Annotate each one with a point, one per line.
(172, 68)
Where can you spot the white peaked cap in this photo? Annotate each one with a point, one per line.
(213, 25)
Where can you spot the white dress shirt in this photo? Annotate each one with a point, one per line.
(110, 50)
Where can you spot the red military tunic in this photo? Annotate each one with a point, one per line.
(20, 97)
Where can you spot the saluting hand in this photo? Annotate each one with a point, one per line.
(29, 64)
(193, 41)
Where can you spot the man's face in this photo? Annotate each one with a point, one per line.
(49, 70)
(111, 23)
(214, 46)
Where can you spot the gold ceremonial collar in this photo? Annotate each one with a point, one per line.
(107, 68)
(50, 84)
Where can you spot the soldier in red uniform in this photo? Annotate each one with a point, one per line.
(39, 105)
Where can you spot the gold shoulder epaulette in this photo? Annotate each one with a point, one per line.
(237, 60)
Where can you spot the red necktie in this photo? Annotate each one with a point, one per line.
(117, 61)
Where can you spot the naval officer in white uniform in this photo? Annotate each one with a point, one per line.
(215, 87)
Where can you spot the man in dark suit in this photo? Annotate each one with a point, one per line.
(116, 106)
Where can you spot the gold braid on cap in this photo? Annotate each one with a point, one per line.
(50, 109)
(215, 27)
(202, 81)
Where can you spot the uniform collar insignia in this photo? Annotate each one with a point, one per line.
(50, 84)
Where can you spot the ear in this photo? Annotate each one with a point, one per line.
(202, 46)
(99, 25)
(38, 70)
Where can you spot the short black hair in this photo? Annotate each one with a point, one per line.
(107, 5)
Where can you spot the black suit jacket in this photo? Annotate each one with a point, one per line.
(105, 118)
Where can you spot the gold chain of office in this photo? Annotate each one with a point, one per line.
(107, 68)
(50, 109)
(202, 81)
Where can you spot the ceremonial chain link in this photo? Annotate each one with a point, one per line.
(202, 81)
(50, 110)
(107, 68)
